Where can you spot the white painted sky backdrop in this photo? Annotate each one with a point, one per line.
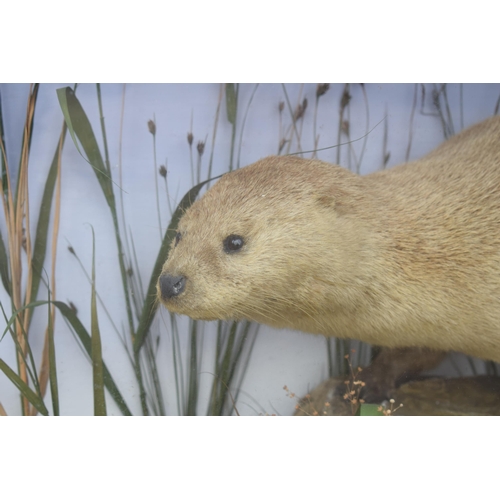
(280, 357)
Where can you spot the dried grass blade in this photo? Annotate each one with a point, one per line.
(27, 135)
(24, 389)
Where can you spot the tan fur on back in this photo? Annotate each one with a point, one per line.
(404, 257)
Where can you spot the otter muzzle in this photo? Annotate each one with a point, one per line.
(171, 286)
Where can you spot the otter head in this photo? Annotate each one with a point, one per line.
(255, 245)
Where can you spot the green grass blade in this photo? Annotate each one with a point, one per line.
(79, 127)
(249, 340)
(4, 267)
(214, 396)
(224, 371)
(96, 348)
(151, 303)
(193, 372)
(232, 110)
(231, 103)
(177, 359)
(103, 129)
(225, 342)
(25, 390)
(238, 363)
(42, 228)
(54, 390)
(3, 172)
(151, 362)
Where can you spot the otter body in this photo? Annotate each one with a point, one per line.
(405, 257)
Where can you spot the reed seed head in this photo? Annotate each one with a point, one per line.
(152, 127)
(346, 97)
(301, 108)
(345, 127)
(322, 89)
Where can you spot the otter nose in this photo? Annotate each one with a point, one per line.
(171, 286)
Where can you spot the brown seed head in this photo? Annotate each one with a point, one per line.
(190, 138)
(200, 147)
(163, 171)
(345, 127)
(322, 89)
(344, 100)
(301, 108)
(152, 127)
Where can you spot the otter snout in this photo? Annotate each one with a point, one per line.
(171, 286)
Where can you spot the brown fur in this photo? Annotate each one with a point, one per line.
(403, 257)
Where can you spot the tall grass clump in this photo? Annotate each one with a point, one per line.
(21, 250)
(22, 257)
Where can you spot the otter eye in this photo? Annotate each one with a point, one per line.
(233, 243)
(178, 238)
